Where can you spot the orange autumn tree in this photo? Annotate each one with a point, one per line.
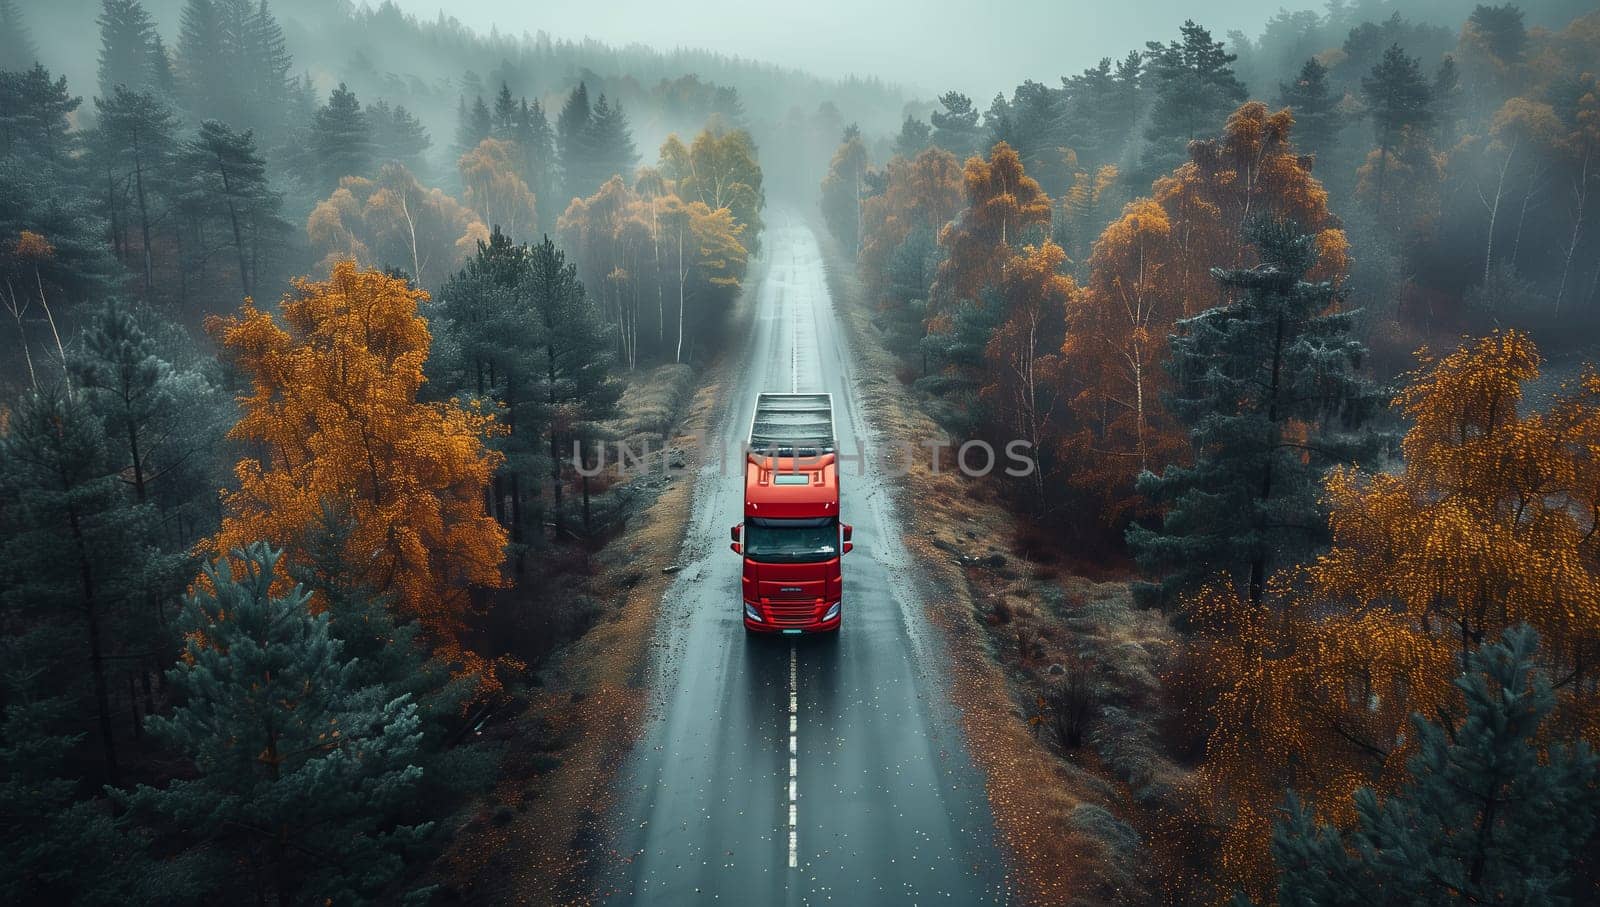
(1002, 204)
(495, 192)
(1152, 266)
(1491, 523)
(1023, 363)
(394, 221)
(332, 419)
(920, 194)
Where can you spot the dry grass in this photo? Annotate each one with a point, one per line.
(1066, 818)
(533, 838)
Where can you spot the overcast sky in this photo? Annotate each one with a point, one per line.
(979, 46)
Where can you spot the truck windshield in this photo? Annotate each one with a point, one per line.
(791, 541)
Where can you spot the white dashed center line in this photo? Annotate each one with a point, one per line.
(794, 763)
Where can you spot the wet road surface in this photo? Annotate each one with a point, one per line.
(822, 770)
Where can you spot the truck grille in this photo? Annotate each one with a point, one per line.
(792, 613)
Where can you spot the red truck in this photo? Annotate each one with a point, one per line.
(792, 538)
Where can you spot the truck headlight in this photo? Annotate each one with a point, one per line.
(752, 613)
(833, 611)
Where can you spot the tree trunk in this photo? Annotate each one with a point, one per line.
(1582, 192)
(1494, 214)
(144, 227)
(97, 667)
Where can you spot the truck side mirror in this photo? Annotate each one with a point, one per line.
(849, 530)
(848, 547)
(734, 531)
(736, 548)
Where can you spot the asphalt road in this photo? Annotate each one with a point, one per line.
(798, 772)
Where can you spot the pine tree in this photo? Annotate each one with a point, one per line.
(473, 124)
(17, 50)
(955, 128)
(1194, 90)
(487, 350)
(1398, 99)
(398, 136)
(74, 554)
(611, 148)
(135, 142)
(341, 139)
(266, 84)
(1267, 386)
(163, 76)
(573, 134)
(303, 775)
(1445, 93)
(127, 43)
(1316, 111)
(227, 181)
(33, 115)
(206, 62)
(504, 117)
(573, 382)
(1487, 816)
(536, 144)
(914, 136)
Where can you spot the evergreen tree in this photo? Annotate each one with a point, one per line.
(17, 50)
(1501, 29)
(1445, 94)
(75, 563)
(573, 135)
(227, 182)
(341, 139)
(536, 146)
(1316, 110)
(611, 148)
(915, 135)
(302, 773)
(134, 143)
(1267, 386)
(955, 128)
(127, 46)
(164, 423)
(266, 82)
(33, 115)
(398, 136)
(487, 350)
(573, 381)
(474, 124)
(1487, 816)
(127, 385)
(207, 61)
(1195, 89)
(163, 77)
(1397, 99)
(505, 114)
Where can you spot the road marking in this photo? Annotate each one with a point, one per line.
(794, 764)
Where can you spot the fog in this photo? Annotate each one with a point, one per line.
(924, 45)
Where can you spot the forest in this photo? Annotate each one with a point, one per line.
(1305, 348)
(312, 311)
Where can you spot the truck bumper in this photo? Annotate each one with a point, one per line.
(764, 618)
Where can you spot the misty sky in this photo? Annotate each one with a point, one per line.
(926, 45)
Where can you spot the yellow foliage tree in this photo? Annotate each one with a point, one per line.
(1152, 266)
(332, 418)
(394, 221)
(495, 192)
(920, 193)
(1002, 203)
(1492, 522)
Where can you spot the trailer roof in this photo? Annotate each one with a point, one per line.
(793, 424)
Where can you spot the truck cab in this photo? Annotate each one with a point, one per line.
(792, 539)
